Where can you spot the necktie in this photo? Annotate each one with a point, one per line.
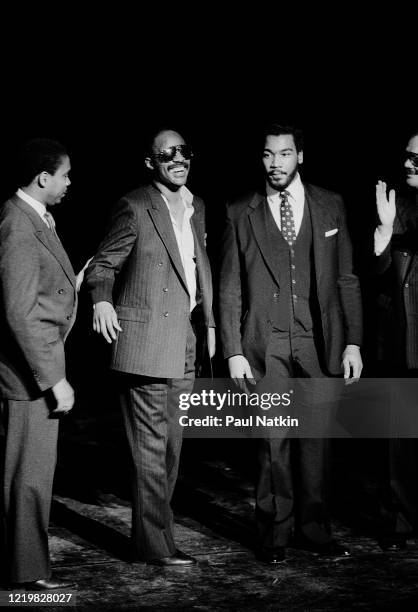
(50, 223)
(287, 221)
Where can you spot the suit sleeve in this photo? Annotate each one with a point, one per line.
(20, 270)
(230, 292)
(349, 285)
(112, 253)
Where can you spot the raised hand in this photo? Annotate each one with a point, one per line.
(386, 207)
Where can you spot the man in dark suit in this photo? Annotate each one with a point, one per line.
(290, 306)
(396, 261)
(38, 302)
(151, 285)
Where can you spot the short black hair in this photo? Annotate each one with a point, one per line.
(278, 129)
(36, 156)
(156, 131)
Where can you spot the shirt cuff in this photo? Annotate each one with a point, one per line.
(381, 241)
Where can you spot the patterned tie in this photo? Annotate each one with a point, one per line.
(287, 221)
(50, 223)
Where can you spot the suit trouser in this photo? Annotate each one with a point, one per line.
(292, 475)
(29, 459)
(151, 417)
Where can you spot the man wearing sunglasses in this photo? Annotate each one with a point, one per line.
(396, 261)
(151, 287)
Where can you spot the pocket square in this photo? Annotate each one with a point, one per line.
(331, 232)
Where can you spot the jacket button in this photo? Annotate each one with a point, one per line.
(159, 264)
(406, 285)
(276, 295)
(165, 289)
(405, 254)
(165, 314)
(60, 291)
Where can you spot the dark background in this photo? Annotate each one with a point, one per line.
(99, 82)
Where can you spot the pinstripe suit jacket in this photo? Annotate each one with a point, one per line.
(139, 269)
(38, 303)
(398, 300)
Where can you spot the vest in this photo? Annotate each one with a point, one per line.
(295, 303)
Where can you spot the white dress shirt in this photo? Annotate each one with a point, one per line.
(37, 206)
(185, 242)
(296, 199)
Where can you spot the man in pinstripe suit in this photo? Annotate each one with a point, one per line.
(396, 250)
(150, 282)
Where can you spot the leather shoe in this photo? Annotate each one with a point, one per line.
(47, 584)
(179, 559)
(392, 544)
(272, 556)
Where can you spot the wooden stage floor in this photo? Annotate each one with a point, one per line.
(214, 522)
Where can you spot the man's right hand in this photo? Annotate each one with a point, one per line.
(239, 368)
(105, 321)
(64, 394)
(386, 207)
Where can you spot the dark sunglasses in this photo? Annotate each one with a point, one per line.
(412, 157)
(168, 154)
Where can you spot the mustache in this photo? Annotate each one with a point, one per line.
(184, 164)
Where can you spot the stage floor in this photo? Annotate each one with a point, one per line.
(213, 504)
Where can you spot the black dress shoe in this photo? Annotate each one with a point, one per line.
(47, 584)
(272, 556)
(179, 559)
(392, 544)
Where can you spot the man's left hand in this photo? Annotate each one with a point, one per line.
(211, 341)
(352, 363)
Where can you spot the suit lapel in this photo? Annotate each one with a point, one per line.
(161, 218)
(319, 213)
(257, 215)
(45, 236)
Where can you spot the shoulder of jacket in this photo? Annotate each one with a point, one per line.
(14, 218)
(238, 207)
(321, 192)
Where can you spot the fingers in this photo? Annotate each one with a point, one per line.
(392, 196)
(115, 323)
(107, 326)
(106, 329)
(240, 382)
(346, 367)
(248, 374)
(357, 368)
(352, 369)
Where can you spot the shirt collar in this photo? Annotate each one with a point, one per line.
(38, 206)
(295, 189)
(186, 196)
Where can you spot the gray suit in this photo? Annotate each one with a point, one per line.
(138, 268)
(37, 310)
